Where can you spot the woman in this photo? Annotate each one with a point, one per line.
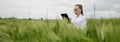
(80, 20)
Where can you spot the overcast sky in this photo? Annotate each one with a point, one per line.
(53, 8)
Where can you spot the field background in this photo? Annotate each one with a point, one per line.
(25, 30)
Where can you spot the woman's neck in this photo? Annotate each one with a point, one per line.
(78, 15)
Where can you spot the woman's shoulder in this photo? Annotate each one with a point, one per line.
(82, 17)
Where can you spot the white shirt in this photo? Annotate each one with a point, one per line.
(80, 21)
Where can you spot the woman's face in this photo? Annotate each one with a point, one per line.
(77, 10)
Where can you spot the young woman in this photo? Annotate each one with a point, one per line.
(80, 20)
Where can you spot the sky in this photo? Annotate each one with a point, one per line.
(52, 9)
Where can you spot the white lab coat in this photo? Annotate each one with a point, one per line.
(80, 21)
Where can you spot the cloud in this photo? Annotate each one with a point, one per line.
(53, 8)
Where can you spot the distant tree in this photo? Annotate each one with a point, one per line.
(12, 18)
(30, 19)
(0, 18)
(41, 18)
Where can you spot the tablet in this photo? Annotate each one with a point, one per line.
(65, 17)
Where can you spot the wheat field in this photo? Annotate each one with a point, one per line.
(25, 30)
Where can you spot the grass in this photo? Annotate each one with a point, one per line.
(23, 30)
